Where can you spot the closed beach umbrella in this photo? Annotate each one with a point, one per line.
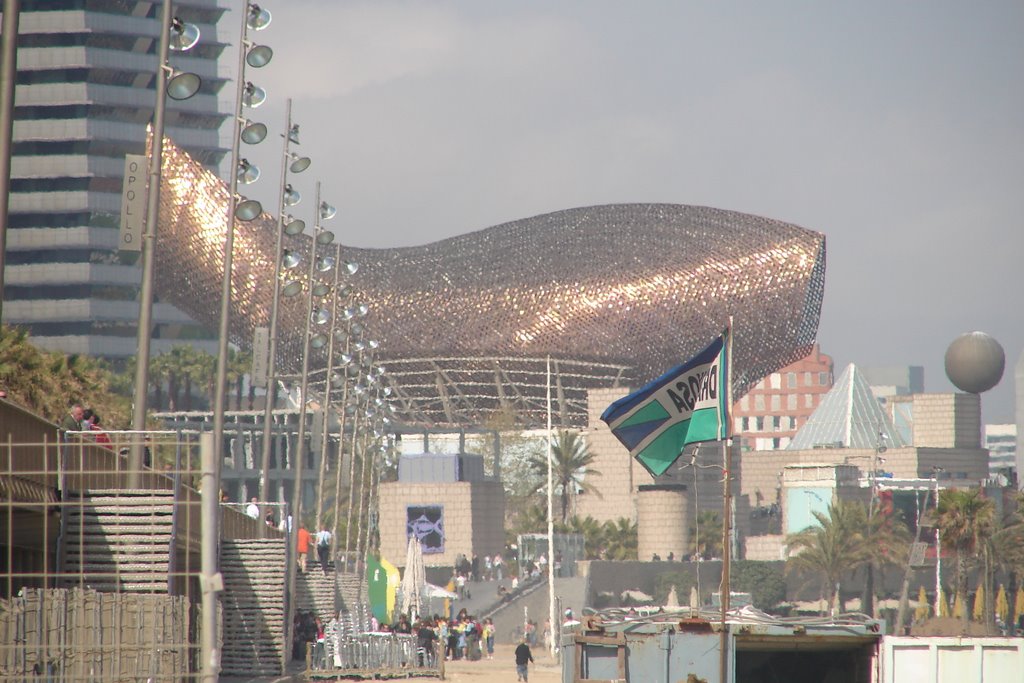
(414, 580)
(922, 611)
(1002, 604)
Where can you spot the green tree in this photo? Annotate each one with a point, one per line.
(239, 364)
(765, 581)
(46, 382)
(833, 548)
(887, 541)
(706, 535)
(1008, 547)
(966, 520)
(570, 462)
(593, 533)
(620, 539)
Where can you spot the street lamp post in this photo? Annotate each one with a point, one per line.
(290, 226)
(185, 86)
(247, 209)
(320, 237)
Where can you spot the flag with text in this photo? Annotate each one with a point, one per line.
(687, 404)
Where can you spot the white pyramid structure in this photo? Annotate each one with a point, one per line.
(849, 416)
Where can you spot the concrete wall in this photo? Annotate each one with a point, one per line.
(620, 474)
(765, 548)
(947, 420)
(474, 514)
(663, 522)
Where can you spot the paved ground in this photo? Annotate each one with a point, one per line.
(502, 669)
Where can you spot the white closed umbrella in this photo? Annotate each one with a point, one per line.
(414, 580)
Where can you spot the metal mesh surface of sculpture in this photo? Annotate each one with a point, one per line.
(614, 295)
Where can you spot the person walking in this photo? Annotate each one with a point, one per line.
(323, 546)
(523, 658)
(302, 547)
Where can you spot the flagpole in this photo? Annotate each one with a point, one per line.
(555, 630)
(726, 590)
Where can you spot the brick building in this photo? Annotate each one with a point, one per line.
(771, 413)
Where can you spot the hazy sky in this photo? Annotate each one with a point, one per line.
(895, 128)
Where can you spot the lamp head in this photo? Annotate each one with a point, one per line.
(258, 18)
(290, 259)
(248, 209)
(293, 226)
(183, 36)
(327, 211)
(291, 195)
(259, 56)
(321, 316)
(299, 164)
(253, 95)
(182, 85)
(253, 132)
(247, 172)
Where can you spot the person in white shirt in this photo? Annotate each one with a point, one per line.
(252, 509)
(323, 547)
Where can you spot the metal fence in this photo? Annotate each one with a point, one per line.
(385, 654)
(100, 567)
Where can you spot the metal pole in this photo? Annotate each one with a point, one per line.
(268, 409)
(364, 495)
(726, 590)
(8, 79)
(327, 395)
(938, 546)
(145, 329)
(220, 397)
(556, 629)
(300, 446)
(352, 471)
(338, 472)
(211, 580)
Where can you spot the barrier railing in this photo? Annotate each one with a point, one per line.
(383, 654)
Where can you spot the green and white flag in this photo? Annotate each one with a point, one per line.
(687, 404)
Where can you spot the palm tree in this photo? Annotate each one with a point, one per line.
(888, 543)
(966, 521)
(620, 539)
(1008, 545)
(833, 548)
(706, 535)
(570, 463)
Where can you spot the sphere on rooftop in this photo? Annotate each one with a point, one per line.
(975, 362)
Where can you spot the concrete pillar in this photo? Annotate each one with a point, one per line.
(663, 522)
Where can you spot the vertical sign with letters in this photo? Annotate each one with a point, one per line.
(260, 356)
(133, 202)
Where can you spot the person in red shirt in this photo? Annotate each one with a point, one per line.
(92, 418)
(302, 547)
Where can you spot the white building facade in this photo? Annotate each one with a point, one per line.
(87, 71)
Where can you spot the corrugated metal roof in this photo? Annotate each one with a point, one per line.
(849, 416)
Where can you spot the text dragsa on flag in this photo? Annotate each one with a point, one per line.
(687, 404)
